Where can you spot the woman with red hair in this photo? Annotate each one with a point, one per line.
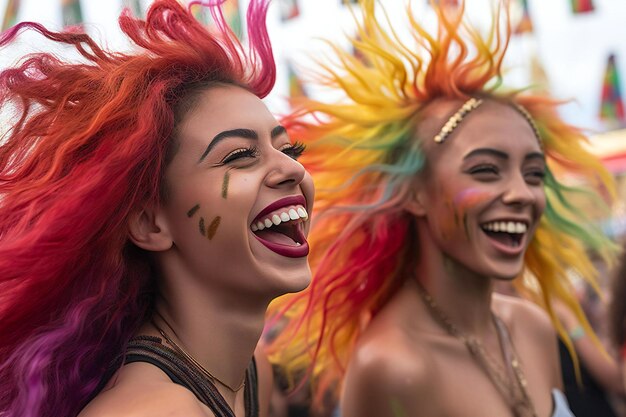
(150, 209)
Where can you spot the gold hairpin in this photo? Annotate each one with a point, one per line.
(472, 104)
(456, 118)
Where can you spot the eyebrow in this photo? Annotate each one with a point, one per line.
(239, 133)
(277, 131)
(500, 154)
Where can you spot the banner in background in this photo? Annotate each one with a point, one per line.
(611, 105)
(582, 6)
(72, 13)
(288, 9)
(525, 25)
(10, 14)
(135, 7)
(296, 86)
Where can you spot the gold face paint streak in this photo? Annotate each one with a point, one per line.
(213, 227)
(201, 226)
(193, 210)
(225, 185)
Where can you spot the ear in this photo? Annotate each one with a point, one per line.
(416, 202)
(149, 231)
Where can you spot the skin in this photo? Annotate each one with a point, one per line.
(405, 363)
(213, 293)
(603, 368)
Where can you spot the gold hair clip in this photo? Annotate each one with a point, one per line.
(456, 118)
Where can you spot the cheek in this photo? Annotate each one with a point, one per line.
(541, 200)
(457, 211)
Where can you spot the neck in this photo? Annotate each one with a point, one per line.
(218, 329)
(462, 295)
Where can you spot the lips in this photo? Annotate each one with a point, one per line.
(280, 227)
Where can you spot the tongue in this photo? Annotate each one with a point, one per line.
(504, 238)
(275, 237)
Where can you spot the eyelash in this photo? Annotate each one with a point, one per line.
(293, 151)
(492, 169)
(484, 169)
(249, 152)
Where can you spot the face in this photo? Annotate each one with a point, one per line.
(483, 190)
(238, 200)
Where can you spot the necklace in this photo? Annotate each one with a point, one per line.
(513, 391)
(191, 359)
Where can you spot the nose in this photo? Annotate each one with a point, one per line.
(284, 170)
(519, 192)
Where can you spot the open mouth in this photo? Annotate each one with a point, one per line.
(507, 233)
(284, 227)
(280, 227)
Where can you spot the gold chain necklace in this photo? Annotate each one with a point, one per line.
(514, 392)
(192, 360)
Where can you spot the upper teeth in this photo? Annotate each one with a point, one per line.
(277, 218)
(508, 227)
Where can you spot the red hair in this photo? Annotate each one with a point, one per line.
(89, 143)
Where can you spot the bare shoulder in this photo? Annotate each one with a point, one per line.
(534, 337)
(522, 315)
(142, 390)
(388, 373)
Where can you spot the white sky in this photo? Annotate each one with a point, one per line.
(573, 48)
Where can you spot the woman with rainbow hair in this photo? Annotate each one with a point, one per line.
(134, 276)
(433, 182)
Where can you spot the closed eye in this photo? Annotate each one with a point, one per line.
(294, 151)
(241, 153)
(535, 177)
(483, 169)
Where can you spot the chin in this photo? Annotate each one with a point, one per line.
(287, 278)
(507, 274)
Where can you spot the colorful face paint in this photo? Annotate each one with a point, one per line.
(213, 227)
(225, 185)
(465, 200)
(201, 226)
(193, 210)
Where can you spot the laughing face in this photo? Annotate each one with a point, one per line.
(237, 198)
(483, 192)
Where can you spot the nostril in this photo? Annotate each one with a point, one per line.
(287, 181)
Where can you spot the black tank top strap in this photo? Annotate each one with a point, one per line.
(251, 392)
(149, 349)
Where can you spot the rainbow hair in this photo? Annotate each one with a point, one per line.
(363, 155)
(89, 144)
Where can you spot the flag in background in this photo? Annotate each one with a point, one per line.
(611, 105)
(232, 14)
(538, 76)
(72, 13)
(582, 6)
(296, 87)
(288, 9)
(201, 14)
(360, 55)
(135, 7)
(525, 25)
(446, 3)
(10, 14)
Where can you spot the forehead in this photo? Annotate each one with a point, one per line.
(493, 125)
(224, 107)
